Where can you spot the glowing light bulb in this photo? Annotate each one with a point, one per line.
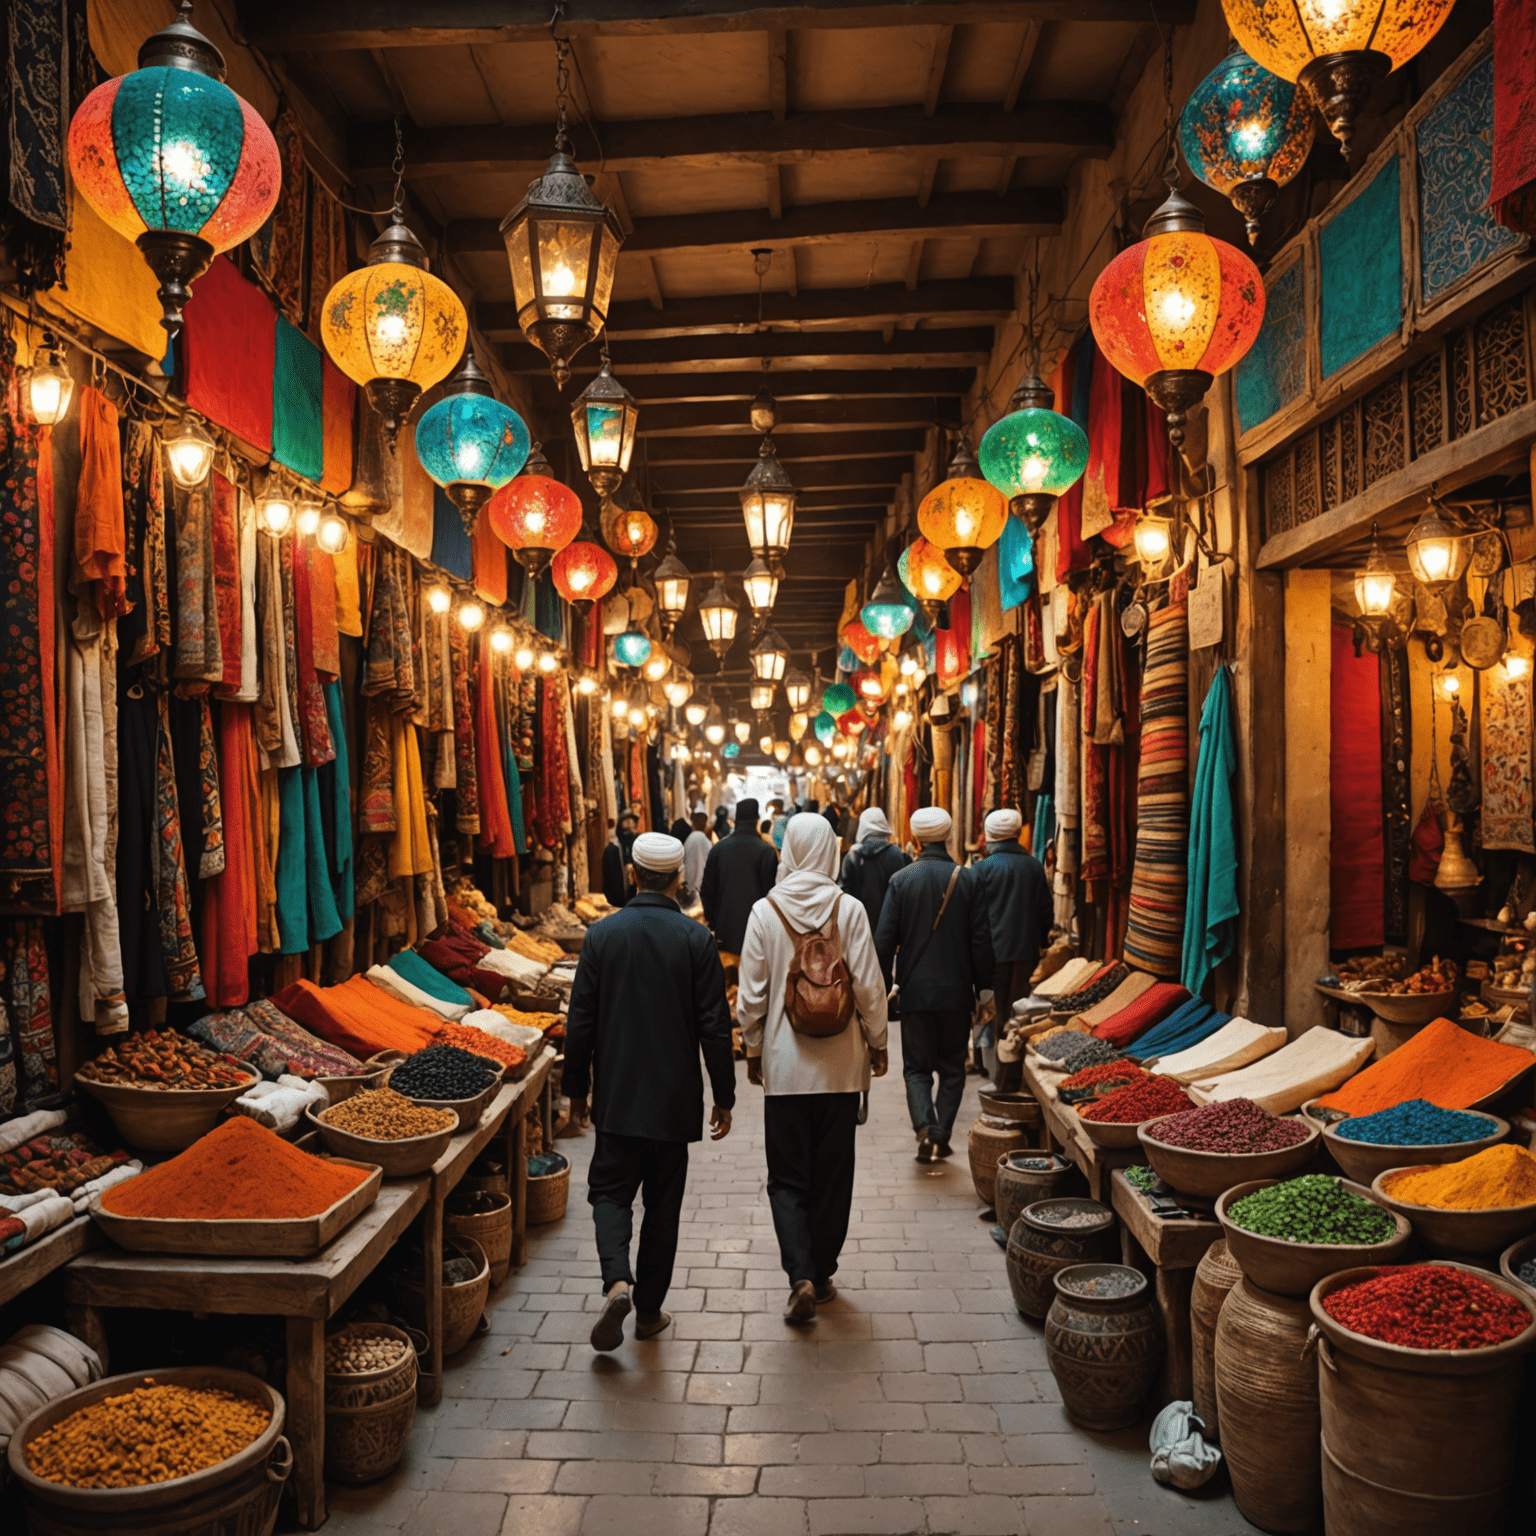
(714, 734)
(501, 641)
(331, 536)
(813, 755)
(965, 523)
(1435, 558)
(1034, 472)
(586, 685)
(524, 658)
(471, 616)
(309, 520)
(561, 283)
(392, 328)
(548, 662)
(276, 515)
(839, 749)
(1452, 683)
(677, 692)
(1516, 666)
(637, 718)
(534, 520)
(902, 719)
(765, 745)
(188, 165)
(438, 599)
(620, 708)
(1176, 309)
(1377, 589)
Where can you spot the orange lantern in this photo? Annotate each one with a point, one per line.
(858, 638)
(869, 685)
(584, 572)
(534, 515)
(964, 515)
(928, 576)
(633, 533)
(852, 723)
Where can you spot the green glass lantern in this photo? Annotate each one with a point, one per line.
(1034, 453)
(889, 612)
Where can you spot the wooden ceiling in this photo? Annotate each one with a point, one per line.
(895, 160)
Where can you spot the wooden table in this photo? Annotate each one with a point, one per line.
(37, 1260)
(1064, 1133)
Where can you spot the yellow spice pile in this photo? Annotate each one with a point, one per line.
(1496, 1179)
(384, 1115)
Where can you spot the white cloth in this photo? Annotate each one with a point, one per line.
(119, 1175)
(14, 1132)
(656, 851)
(1004, 826)
(508, 963)
(250, 679)
(873, 820)
(931, 824)
(1180, 1456)
(806, 893)
(391, 981)
(1236, 1044)
(278, 1105)
(695, 856)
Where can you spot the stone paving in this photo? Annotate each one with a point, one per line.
(919, 1401)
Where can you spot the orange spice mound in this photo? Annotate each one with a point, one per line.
(238, 1171)
(1442, 1063)
(482, 1043)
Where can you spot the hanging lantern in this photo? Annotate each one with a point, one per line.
(781, 751)
(534, 515)
(762, 588)
(797, 689)
(696, 710)
(1153, 537)
(392, 327)
(678, 689)
(901, 719)
(852, 723)
(631, 648)
(439, 599)
(50, 384)
(888, 613)
(469, 442)
(963, 515)
(760, 697)
(1438, 550)
(864, 645)
(604, 415)
(1246, 133)
(306, 518)
(799, 724)
(718, 613)
(742, 730)
(274, 508)
(584, 572)
(525, 658)
(332, 534)
(633, 533)
(174, 160)
(731, 749)
(926, 573)
(1033, 454)
(769, 656)
(870, 686)
(1340, 50)
(768, 496)
(714, 726)
(471, 616)
(189, 452)
(586, 685)
(502, 642)
(1176, 308)
(837, 699)
(656, 665)
(824, 727)
(672, 580)
(813, 756)
(1375, 583)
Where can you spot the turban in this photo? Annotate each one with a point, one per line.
(931, 825)
(873, 820)
(1004, 825)
(656, 851)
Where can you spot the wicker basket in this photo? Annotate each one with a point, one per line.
(367, 1389)
(368, 1414)
(489, 1221)
(547, 1195)
(464, 1304)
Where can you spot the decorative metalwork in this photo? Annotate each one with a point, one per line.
(1308, 492)
(1426, 405)
(1329, 436)
(1499, 362)
(1385, 450)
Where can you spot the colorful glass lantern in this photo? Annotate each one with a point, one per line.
(584, 572)
(633, 533)
(1340, 50)
(1176, 309)
(851, 723)
(392, 327)
(1153, 539)
(469, 442)
(673, 580)
(718, 613)
(824, 727)
(888, 614)
(1246, 133)
(534, 515)
(837, 699)
(1034, 453)
(963, 515)
(633, 647)
(769, 656)
(869, 685)
(741, 729)
(604, 416)
(797, 689)
(174, 160)
(50, 384)
(864, 645)
(927, 574)
(731, 749)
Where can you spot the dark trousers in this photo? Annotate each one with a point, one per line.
(623, 1166)
(809, 1139)
(935, 1043)
(1010, 982)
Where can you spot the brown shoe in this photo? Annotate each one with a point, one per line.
(608, 1330)
(649, 1328)
(825, 1292)
(802, 1303)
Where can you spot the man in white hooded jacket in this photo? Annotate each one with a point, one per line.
(812, 1084)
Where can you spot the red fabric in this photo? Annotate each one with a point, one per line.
(1358, 857)
(953, 645)
(1513, 194)
(314, 723)
(338, 403)
(1105, 436)
(324, 635)
(456, 960)
(230, 934)
(230, 346)
(359, 1017)
(553, 768)
(978, 777)
(495, 818)
(1071, 552)
(1152, 1007)
(1428, 845)
(490, 562)
(47, 655)
(225, 514)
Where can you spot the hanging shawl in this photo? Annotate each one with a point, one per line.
(146, 631)
(298, 434)
(336, 783)
(312, 715)
(376, 799)
(230, 935)
(229, 340)
(496, 825)
(174, 899)
(338, 407)
(466, 783)
(225, 528)
(278, 247)
(1357, 851)
(410, 851)
(249, 690)
(100, 536)
(31, 1010)
(1210, 923)
(554, 774)
(274, 720)
(199, 651)
(1513, 194)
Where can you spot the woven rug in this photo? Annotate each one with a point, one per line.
(1154, 938)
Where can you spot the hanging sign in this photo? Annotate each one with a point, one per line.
(1207, 608)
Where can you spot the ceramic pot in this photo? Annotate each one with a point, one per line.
(990, 1139)
(1104, 1351)
(1019, 1185)
(1037, 1249)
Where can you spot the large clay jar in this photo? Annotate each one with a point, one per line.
(1038, 1248)
(1104, 1350)
(1025, 1177)
(1216, 1274)
(990, 1139)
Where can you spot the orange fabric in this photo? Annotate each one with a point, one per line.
(229, 899)
(338, 406)
(101, 539)
(359, 1017)
(490, 557)
(349, 607)
(322, 609)
(268, 827)
(416, 498)
(1442, 1063)
(495, 819)
(53, 731)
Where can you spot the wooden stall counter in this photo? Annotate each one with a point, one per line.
(1065, 1134)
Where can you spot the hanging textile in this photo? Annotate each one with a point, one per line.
(315, 729)
(324, 634)
(298, 433)
(173, 894)
(1016, 564)
(100, 535)
(1210, 921)
(228, 342)
(275, 734)
(1506, 757)
(137, 852)
(278, 248)
(1095, 763)
(580, 869)
(1102, 480)
(1396, 790)
(146, 630)
(1513, 195)
(328, 262)
(338, 406)
(508, 714)
(349, 617)
(490, 562)
(466, 779)
(1154, 938)
(306, 905)
(376, 797)
(199, 648)
(495, 821)
(224, 527)
(37, 107)
(249, 690)
(553, 773)
(410, 851)
(1357, 853)
(107, 284)
(230, 934)
(336, 783)
(1073, 382)
(31, 1011)
(418, 497)
(451, 550)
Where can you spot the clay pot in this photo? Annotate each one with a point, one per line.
(1018, 1185)
(1104, 1351)
(1215, 1275)
(990, 1139)
(1037, 1250)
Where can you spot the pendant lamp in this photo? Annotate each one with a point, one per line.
(1246, 133)
(864, 645)
(603, 416)
(673, 580)
(633, 647)
(769, 656)
(927, 574)
(696, 710)
(963, 515)
(768, 496)
(837, 699)
(761, 585)
(534, 515)
(50, 384)
(584, 572)
(718, 613)
(797, 689)
(633, 534)
(760, 697)
(741, 729)
(781, 751)
(1375, 583)
(888, 613)
(174, 160)
(1176, 308)
(189, 452)
(469, 442)
(1438, 550)
(1034, 453)
(824, 727)
(799, 724)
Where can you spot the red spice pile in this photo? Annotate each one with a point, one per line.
(1139, 1101)
(1105, 1072)
(1423, 1306)
(482, 1043)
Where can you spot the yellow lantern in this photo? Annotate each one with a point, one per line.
(392, 327)
(964, 515)
(926, 573)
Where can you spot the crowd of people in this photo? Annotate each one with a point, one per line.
(828, 931)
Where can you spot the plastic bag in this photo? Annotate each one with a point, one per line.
(1180, 1456)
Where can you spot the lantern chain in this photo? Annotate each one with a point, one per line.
(1171, 163)
(562, 78)
(399, 169)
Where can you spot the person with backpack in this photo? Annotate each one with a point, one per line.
(870, 863)
(811, 1008)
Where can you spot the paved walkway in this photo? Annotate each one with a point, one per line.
(918, 1402)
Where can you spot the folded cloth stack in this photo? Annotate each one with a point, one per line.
(38, 1364)
(457, 953)
(1131, 986)
(1185, 1027)
(515, 967)
(494, 1022)
(260, 1034)
(1238, 1043)
(1071, 976)
(1144, 1013)
(14, 1132)
(413, 980)
(360, 1017)
(279, 1105)
(1310, 1065)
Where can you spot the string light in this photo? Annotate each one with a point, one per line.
(548, 663)
(524, 659)
(332, 533)
(1516, 666)
(619, 706)
(308, 519)
(50, 385)
(586, 686)
(275, 510)
(189, 451)
(438, 599)
(696, 710)
(501, 641)
(471, 616)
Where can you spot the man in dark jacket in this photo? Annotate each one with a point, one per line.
(870, 863)
(1019, 909)
(946, 958)
(739, 871)
(649, 995)
(617, 886)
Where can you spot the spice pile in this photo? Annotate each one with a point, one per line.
(1418, 1123)
(1069, 1216)
(352, 1354)
(441, 1072)
(1528, 1273)
(1231, 1126)
(381, 1114)
(481, 1042)
(160, 1059)
(1111, 1282)
(1438, 976)
(1315, 1208)
(1095, 1082)
(1067, 1050)
(1138, 1101)
(239, 1171)
(1493, 1180)
(149, 1435)
(1442, 1063)
(1426, 1306)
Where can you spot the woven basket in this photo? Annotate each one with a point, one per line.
(547, 1196)
(464, 1304)
(362, 1444)
(492, 1229)
(367, 1389)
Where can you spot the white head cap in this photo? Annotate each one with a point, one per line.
(931, 825)
(657, 851)
(1004, 825)
(873, 820)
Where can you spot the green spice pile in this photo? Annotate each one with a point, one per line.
(1315, 1208)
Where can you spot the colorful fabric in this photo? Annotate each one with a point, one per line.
(306, 904)
(101, 538)
(410, 849)
(228, 342)
(149, 623)
(107, 283)
(424, 975)
(183, 975)
(336, 782)
(1211, 912)
(349, 617)
(1513, 194)
(1506, 755)
(229, 898)
(224, 512)
(451, 549)
(211, 861)
(298, 391)
(37, 111)
(1187, 1026)
(376, 798)
(495, 821)
(199, 642)
(1133, 1021)
(490, 562)
(338, 405)
(313, 723)
(418, 496)
(278, 248)
(306, 1055)
(1357, 857)
(359, 1017)
(31, 1012)
(554, 773)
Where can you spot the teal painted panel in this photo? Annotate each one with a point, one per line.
(1360, 272)
(1275, 370)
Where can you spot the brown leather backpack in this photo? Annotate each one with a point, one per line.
(818, 992)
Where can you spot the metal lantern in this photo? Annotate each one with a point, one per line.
(1438, 550)
(963, 515)
(1153, 538)
(1034, 453)
(50, 384)
(928, 576)
(769, 656)
(889, 612)
(1340, 50)
(696, 710)
(718, 613)
(762, 588)
(864, 645)
(781, 751)
(469, 442)
(584, 572)
(174, 160)
(604, 415)
(656, 665)
(534, 515)
(1246, 133)
(797, 689)
(760, 697)
(768, 496)
(824, 727)
(189, 452)
(799, 724)
(673, 580)
(741, 729)
(714, 726)
(1375, 583)
(633, 647)
(678, 688)
(1176, 308)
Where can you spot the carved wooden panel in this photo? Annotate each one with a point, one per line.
(1276, 477)
(1498, 349)
(1461, 383)
(1328, 441)
(1308, 492)
(1349, 451)
(1426, 405)
(1386, 447)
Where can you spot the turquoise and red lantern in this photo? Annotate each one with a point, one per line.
(174, 160)
(1034, 453)
(469, 442)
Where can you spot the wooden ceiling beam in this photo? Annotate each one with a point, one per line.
(791, 448)
(807, 385)
(726, 505)
(710, 418)
(807, 475)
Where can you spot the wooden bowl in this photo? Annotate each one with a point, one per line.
(1112, 1136)
(1513, 1257)
(164, 1119)
(339, 1088)
(1010, 1106)
(468, 1110)
(1363, 1160)
(399, 1159)
(1446, 1233)
(1292, 1269)
(1321, 1118)
(1407, 1007)
(1213, 1173)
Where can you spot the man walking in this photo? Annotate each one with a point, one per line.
(934, 915)
(1019, 909)
(870, 863)
(812, 1081)
(649, 995)
(617, 886)
(695, 851)
(740, 870)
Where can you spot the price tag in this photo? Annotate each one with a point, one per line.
(1207, 608)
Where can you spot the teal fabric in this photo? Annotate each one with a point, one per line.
(298, 432)
(306, 903)
(1211, 905)
(451, 550)
(339, 784)
(1360, 272)
(1188, 1025)
(421, 973)
(324, 919)
(514, 794)
(1274, 371)
(1016, 564)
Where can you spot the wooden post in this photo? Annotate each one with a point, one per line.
(305, 1421)
(431, 1391)
(1173, 1289)
(517, 1186)
(90, 1327)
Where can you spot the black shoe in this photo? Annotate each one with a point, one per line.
(943, 1149)
(825, 1292)
(928, 1149)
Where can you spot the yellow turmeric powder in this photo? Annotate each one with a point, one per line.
(1500, 1177)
